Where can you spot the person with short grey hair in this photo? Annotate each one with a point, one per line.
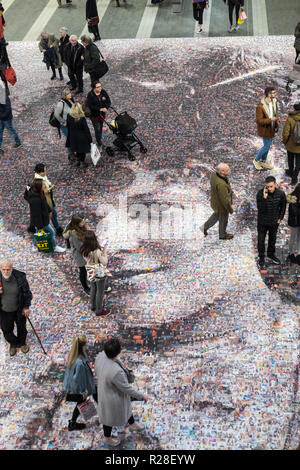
(73, 56)
(221, 201)
(61, 112)
(63, 41)
(15, 300)
(91, 58)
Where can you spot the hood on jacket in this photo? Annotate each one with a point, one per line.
(294, 115)
(291, 199)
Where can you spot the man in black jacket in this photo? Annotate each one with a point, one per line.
(74, 57)
(271, 205)
(15, 300)
(6, 121)
(98, 101)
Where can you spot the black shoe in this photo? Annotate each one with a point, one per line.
(274, 259)
(17, 145)
(292, 258)
(288, 172)
(31, 229)
(87, 290)
(59, 231)
(261, 263)
(228, 236)
(53, 77)
(131, 158)
(68, 83)
(294, 181)
(76, 426)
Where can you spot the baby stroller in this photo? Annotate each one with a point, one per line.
(123, 127)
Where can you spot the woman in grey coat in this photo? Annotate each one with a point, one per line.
(79, 380)
(75, 233)
(114, 392)
(61, 112)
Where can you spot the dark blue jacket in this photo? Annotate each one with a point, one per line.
(5, 110)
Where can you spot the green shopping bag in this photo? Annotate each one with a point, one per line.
(44, 241)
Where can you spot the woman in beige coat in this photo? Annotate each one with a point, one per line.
(114, 392)
(49, 46)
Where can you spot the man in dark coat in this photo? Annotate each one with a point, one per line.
(79, 138)
(92, 17)
(74, 57)
(15, 300)
(98, 101)
(271, 205)
(92, 58)
(6, 121)
(221, 201)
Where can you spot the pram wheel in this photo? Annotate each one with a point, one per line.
(110, 151)
(143, 150)
(131, 157)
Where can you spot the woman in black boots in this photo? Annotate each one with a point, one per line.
(49, 46)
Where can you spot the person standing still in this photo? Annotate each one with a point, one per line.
(293, 200)
(292, 147)
(15, 300)
(237, 5)
(92, 17)
(98, 101)
(267, 125)
(198, 8)
(73, 57)
(6, 121)
(271, 206)
(221, 201)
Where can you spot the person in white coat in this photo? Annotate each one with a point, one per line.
(114, 392)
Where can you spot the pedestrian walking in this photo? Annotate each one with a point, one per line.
(92, 17)
(92, 58)
(293, 200)
(40, 212)
(291, 140)
(267, 125)
(98, 102)
(73, 57)
(61, 111)
(75, 232)
(68, 2)
(221, 201)
(198, 8)
(15, 300)
(79, 138)
(96, 263)
(124, 1)
(297, 41)
(6, 122)
(40, 172)
(114, 392)
(237, 5)
(49, 46)
(271, 206)
(79, 381)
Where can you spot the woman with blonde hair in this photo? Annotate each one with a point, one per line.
(79, 380)
(79, 138)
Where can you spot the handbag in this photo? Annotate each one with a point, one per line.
(44, 241)
(55, 122)
(93, 21)
(95, 154)
(87, 409)
(10, 76)
(129, 373)
(101, 68)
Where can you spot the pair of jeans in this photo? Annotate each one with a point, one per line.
(77, 397)
(222, 218)
(97, 294)
(262, 231)
(107, 429)
(293, 164)
(263, 152)
(54, 218)
(50, 229)
(9, 126)
(98, 131)
(64, 130)
(8, 321)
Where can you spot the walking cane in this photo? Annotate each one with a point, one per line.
(36, 335)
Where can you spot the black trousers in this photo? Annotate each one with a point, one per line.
(107, 429)
(293, 163)
(8, 321)
(262, 231)
(98, 125)
(198, 9)
(297, 53)
(231, 7)
(83, 277)
(78, 399)
(76, 78)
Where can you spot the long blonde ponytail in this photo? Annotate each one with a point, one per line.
(76, 349)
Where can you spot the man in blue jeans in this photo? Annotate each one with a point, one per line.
(6, 118)
(267, 125)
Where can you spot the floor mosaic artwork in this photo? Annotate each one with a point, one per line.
(213, 341)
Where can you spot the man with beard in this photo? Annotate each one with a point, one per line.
(15, 300)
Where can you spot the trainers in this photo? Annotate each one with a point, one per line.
(257, 165)
(236, 28)
(112, 441)
(17, 145)
(231, 29)
(25, 349)
(12, 350)
(135, 427)
(76, 426)
(59, 249)
(274, 259)
(261, 263)
(108, 289)
(228, 236)
(267, 165)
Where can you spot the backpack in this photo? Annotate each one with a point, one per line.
(296, 133)
(54, 122)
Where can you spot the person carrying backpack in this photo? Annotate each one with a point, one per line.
(291, 140)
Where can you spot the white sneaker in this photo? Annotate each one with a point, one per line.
(135, 427)
(231, 29)
(111, 441)
(236, 28)
(59, 249)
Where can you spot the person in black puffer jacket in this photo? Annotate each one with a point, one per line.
(294, 223)
(271, 206)
(98, 102)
